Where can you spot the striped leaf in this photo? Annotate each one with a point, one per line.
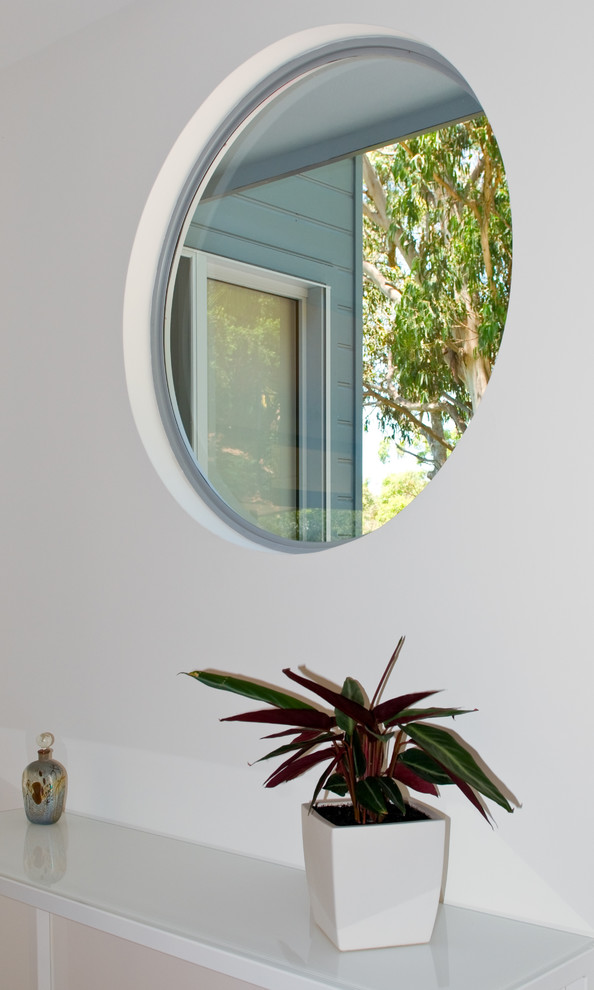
(370, 795)
(337, 784)
(392, 792)
(455, 759)
(248, 689)
(420, 714)
(424, 766)
(352, 690)
(411, 779)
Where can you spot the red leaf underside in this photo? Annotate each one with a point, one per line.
(295, 767)
(344, 704)
(302, 717)
(389, 709)
(409, 778)
(300, 735)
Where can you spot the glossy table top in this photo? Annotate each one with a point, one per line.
(248, 917)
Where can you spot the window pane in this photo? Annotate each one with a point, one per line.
(251, 433)
(180, 342)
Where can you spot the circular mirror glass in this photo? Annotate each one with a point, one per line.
(336, 293)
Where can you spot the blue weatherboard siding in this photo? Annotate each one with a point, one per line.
(309, 226)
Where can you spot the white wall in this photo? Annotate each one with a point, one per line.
(110, 588)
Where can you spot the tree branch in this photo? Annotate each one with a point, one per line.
(404, 408)
(373, 216)
(413, 453)
(478, 168)
(376, 193)
(386, 288)
(380, 217)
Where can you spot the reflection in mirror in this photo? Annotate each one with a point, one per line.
(338, 296)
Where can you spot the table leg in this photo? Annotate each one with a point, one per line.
(44, 950)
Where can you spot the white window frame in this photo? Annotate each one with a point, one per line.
(206, 266)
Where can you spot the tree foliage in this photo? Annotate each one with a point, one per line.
(396, 492)
(437, 270)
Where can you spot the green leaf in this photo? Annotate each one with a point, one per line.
(351, 708)
(321, 784)
(456, 759)
(416, 714)
(352, 690)
(392, 792)
(358, 756)
(369, 794)
(424, 765)
(409, 778)
(248, 689)
(337, 784)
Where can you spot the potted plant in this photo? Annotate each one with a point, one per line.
(378, 886)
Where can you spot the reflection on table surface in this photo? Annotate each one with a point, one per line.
(205, 904)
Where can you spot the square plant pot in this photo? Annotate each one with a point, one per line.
(375, 885)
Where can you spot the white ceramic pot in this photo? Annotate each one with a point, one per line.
(375, 885)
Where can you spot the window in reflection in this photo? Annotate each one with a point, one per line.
(251, 427)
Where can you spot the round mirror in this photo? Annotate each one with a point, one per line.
(333, 293)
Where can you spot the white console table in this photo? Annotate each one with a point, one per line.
(249, 919)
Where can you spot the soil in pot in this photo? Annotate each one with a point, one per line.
(343, 814)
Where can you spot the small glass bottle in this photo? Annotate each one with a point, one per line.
(45, 782)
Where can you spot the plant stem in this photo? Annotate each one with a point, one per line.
(387, 672)
(396, 751)
(348, 769)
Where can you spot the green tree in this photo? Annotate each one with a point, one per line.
(396, 492)
(437, 270)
